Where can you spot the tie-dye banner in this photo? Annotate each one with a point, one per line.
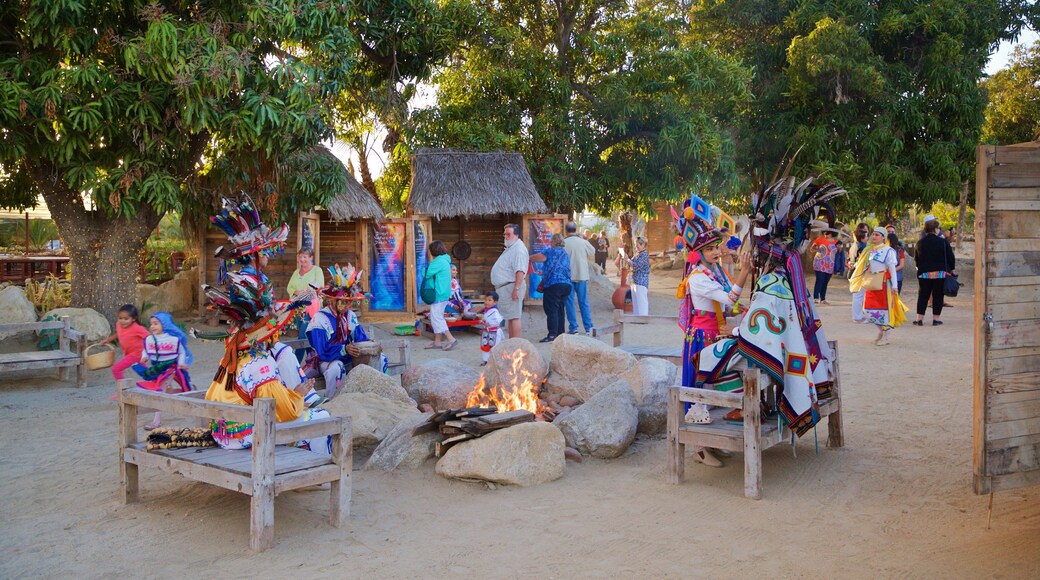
(387, 268)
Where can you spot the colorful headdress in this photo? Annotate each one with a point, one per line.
(246, 233)
(344, 284)
(695, 225)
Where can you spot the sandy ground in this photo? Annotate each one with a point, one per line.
(895, 502)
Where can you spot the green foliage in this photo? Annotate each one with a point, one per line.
(612, 104)
(1013, 111)
(41, 232)
(882, 97)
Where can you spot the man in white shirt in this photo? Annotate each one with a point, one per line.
(580, 252)
(508, 277)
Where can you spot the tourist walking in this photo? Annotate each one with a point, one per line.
(823, 265)
(555, 286)
(580, 251)
(935, 260)
(508, 278)
(875, 276)
(438, 275)
(602, 251)
(641, 279)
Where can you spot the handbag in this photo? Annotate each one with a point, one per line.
(873, 280)
(950, 283)
(427, 291)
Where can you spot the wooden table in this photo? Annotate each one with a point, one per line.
(18, 268)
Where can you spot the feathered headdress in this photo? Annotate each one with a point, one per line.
(344, 283)
(246, 233)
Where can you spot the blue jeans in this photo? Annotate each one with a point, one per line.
(581, 294)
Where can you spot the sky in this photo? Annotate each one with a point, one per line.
(376, 160)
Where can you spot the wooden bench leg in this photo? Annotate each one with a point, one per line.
(127, 437)
(62, 373)
(676, 450)
(261, 504)
(81, 375)
(752, 447)
(835, 437)
(343, 456)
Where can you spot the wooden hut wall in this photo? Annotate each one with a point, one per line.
(484, 235)
(340, 242)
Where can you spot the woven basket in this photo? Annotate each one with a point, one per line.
(102, 359)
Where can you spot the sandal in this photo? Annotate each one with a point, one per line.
(432, 346)
(698, 415)
(451, 344)
(704, 456)
(151, 426)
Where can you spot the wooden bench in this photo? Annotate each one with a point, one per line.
(617, 332)
(751, 438)
(262, 472)
(66, 355)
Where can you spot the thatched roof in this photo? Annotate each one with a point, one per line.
(448, 183)
(354, 201)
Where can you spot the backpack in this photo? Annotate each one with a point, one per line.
(427, 291)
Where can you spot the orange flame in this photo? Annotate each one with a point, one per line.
(521, 393)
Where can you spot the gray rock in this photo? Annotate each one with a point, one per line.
(442, 383)
(650, 379)
(524, 454)
(399, 450)
(581, 366)
(88, 321)
(365, 379)
(15, 308)
(373, 417)
(605, 425)
(500, 369)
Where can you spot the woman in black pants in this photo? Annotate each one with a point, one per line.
(556, 285)
(934, 259)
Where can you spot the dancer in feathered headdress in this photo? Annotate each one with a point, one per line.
(249, 368)
(335, 331)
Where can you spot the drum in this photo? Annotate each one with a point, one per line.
(370, 351)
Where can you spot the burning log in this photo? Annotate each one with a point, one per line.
(458, 425)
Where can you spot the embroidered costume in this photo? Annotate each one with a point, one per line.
(491, 331)
(166, 356)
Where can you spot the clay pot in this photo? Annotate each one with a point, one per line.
(622, 298)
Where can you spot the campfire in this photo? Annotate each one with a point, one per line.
(522, 394)
(490, 408)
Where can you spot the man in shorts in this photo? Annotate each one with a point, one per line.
(508, 277)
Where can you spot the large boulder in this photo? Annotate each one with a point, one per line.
(650, 379)
(15, 308)
(524, 454)
(86, 320)
(365, 379)
(581, 366)
(605, 425)
(146, 297)
(373, 417)
(442, 383)
(399, 450)
(514, 360)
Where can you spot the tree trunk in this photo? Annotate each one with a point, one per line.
(960, 214)
(104, 252)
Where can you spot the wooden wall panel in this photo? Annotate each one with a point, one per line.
(1014, 224)
(1016, 175)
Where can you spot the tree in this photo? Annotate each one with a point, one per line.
(611, 103)
(116, 112)
(882, 97)
(1013, 110)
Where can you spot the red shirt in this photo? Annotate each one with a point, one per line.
(131, 339)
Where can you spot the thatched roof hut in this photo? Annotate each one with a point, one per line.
(448, 183)
(354, 201)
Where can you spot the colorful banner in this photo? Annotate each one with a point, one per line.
(539, 237)
(387, 270)
(421, 259)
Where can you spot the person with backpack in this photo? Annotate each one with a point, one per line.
(436, 291)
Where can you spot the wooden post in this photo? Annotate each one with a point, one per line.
(127, 437)
(63, 344)
(752, 424)
(835, 435)
(261, 505)
(984, 161)
(676, 450)
(343, 456)
(619, 336)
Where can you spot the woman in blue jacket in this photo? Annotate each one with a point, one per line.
(438, 274)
